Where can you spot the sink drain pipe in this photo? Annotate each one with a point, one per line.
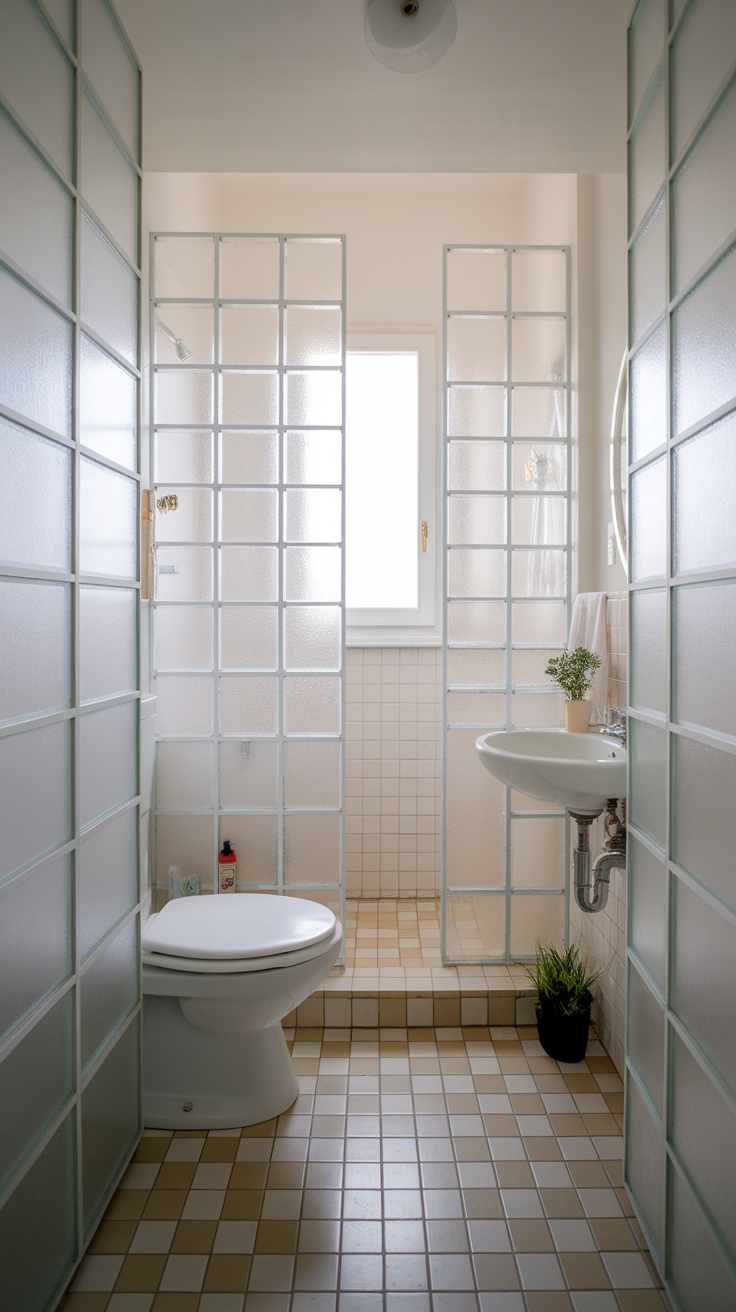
(591, 890)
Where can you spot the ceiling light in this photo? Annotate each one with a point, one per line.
(410, 35)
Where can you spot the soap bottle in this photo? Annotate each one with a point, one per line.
(228, 870)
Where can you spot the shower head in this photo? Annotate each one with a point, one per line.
(182, 350)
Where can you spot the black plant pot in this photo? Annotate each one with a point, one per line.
(563, 1037)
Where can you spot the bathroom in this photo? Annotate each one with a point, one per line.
(441, 880)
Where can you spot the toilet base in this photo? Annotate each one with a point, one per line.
(226, 1080)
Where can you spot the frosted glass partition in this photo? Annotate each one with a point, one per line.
(680, 1150)
(506, 478)
(247, 339)
(69, 671)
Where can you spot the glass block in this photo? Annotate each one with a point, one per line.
(696, 1129)
(313, 774)
(476, 928)
(249, 335)
(703, 784)
(38, 1078)
(476, 520)
(538, 412)
(108, 539)
(536, 622)
(109, 990)
(647, 886)
(704, 196)
(313, 335)
(645, 1036)
(474, 818)
(184, 776)
(39, 1222)
(649, 521)
(35, 665)
(249, 269)
(184, 334)
(648, 660)
(476, 621)
(644, 1164)
(109, 296)
(528, 664)
(108, 641)
(313, 457)
(484, 665)
(312, 638)
(538, 573)
(476, 466)
(704, 474)
(108, 64)
(483, 709)
(312, 705)
(249, 398)
(476, 411)
(533, 917)
(539, 281)
(476, 279)
(35, 794)
(536, 709)
(476, 573)
(648, 263)
(249, 516)
(313, 574)
(311, 849)
(185, 267)
(539, 519)
(697, 1270)
(702, 54)
(182, 396)
(183, 457)
(110, 1120)
(107, 877)
(187, 841)
(476, 349)
(183, 573)
(108, 760)
(41, 89)
(35, 357)
(703, 367)
(109, 185)
(183, 636)
(646, 44)
(538, 350)
(192, 519)
(248, 705)
(314, 516)
(314, 398)
(704, 624)
(248, 774)
(185, 705)
(255, 839)
(249, 458)
(648, 395)
(536, 465)
(248, 637)
(35, 940)
(647, 155)
(538, 852)
(313, 269)
(36, 214)
(648, 786)
(108, 406)
(249, 573)
(703, 960)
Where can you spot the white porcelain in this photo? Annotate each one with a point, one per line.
(578, 771)
(247, 925)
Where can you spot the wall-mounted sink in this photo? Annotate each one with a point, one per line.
(575, 770)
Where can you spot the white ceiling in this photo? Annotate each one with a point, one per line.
(290, 85)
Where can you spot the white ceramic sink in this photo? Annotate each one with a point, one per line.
(577, 770)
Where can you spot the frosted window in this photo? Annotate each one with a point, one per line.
(314, 516)
(649, 649)
(313, 774)
(475, 803)
(183, 636)
(312, 637)
(313, 270)
(314, 457)
(644, 1170)
(248, 637)
(646, 42)
(255, 839)
(109, 185)
(184, 573)
(192, 519)
(703, 326)
(476, 520)
(313, 336)
(107, 875)
(476, 467)
(475, 928)
(648, 274)
(476, 665)
(248, 705)
(39, 1222)
(701, 226)
(697, 1117)
(38, 1077)
(185, 705)
(647, 891)
(183, 457)
(187, 841)
(109, 989)
(249, 270)
(110, 1119)
(538, 350)
(35, 357)
(108, 641)
(108, 522)
(538, 281)
(647, 156)
(648, 399)
(705, 639)
(108, 412)
(476, 280)
(539, 466)
(647, 754)
(108, 764)
(35, 794)
(476, 349)
(702, 53)
(35, 939)
(184, 333)
(477, 707)
(109, 293)
(312, 705)
(648, 521)
(703, 791)
(313, 573)
(703, 960)
(248, 776)
(184, 776)
(534, 917)
(645, 1037)
(252, 458)
(111, 70)
(476, 621)
(696, 1268)
(248, 573)
(538, 853)
(539, 519)
(538, 621)
(35, 674)
(476, 573)
(41, 89)
(476, 411)
(704, 474)
(313, 398)
(249, 516)
(249, 335)
(311, 849)
(537, 412)
(185, 267)
(538, 573)
(183, 397)
(36, 214)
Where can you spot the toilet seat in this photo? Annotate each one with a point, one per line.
(239, 965)
(236, 933)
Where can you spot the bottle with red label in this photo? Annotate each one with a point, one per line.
(228, 869)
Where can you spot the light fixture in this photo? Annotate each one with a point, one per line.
(410, 35)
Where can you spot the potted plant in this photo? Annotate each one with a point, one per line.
(562, 981)
(573, 672)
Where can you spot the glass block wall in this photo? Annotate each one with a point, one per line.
(681, 1072)
(69, 380)
(507, 587)
(248, 401)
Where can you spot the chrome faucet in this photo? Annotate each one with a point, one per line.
(617, 728)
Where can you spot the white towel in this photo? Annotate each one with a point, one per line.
(588, 628)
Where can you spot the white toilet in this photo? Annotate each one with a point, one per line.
(219, 974)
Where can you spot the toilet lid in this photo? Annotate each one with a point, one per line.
(236, 925)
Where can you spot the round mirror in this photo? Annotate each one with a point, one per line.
(619, 464)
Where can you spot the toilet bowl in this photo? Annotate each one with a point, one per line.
(219, 975)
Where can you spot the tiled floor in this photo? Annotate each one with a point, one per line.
(418, 1171)
(392, 933)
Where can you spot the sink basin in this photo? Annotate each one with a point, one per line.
(577, 770)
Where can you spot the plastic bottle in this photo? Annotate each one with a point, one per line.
(228, 869)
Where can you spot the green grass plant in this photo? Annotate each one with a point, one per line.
(562, 979)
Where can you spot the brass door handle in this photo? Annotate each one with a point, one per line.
(425, 534)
